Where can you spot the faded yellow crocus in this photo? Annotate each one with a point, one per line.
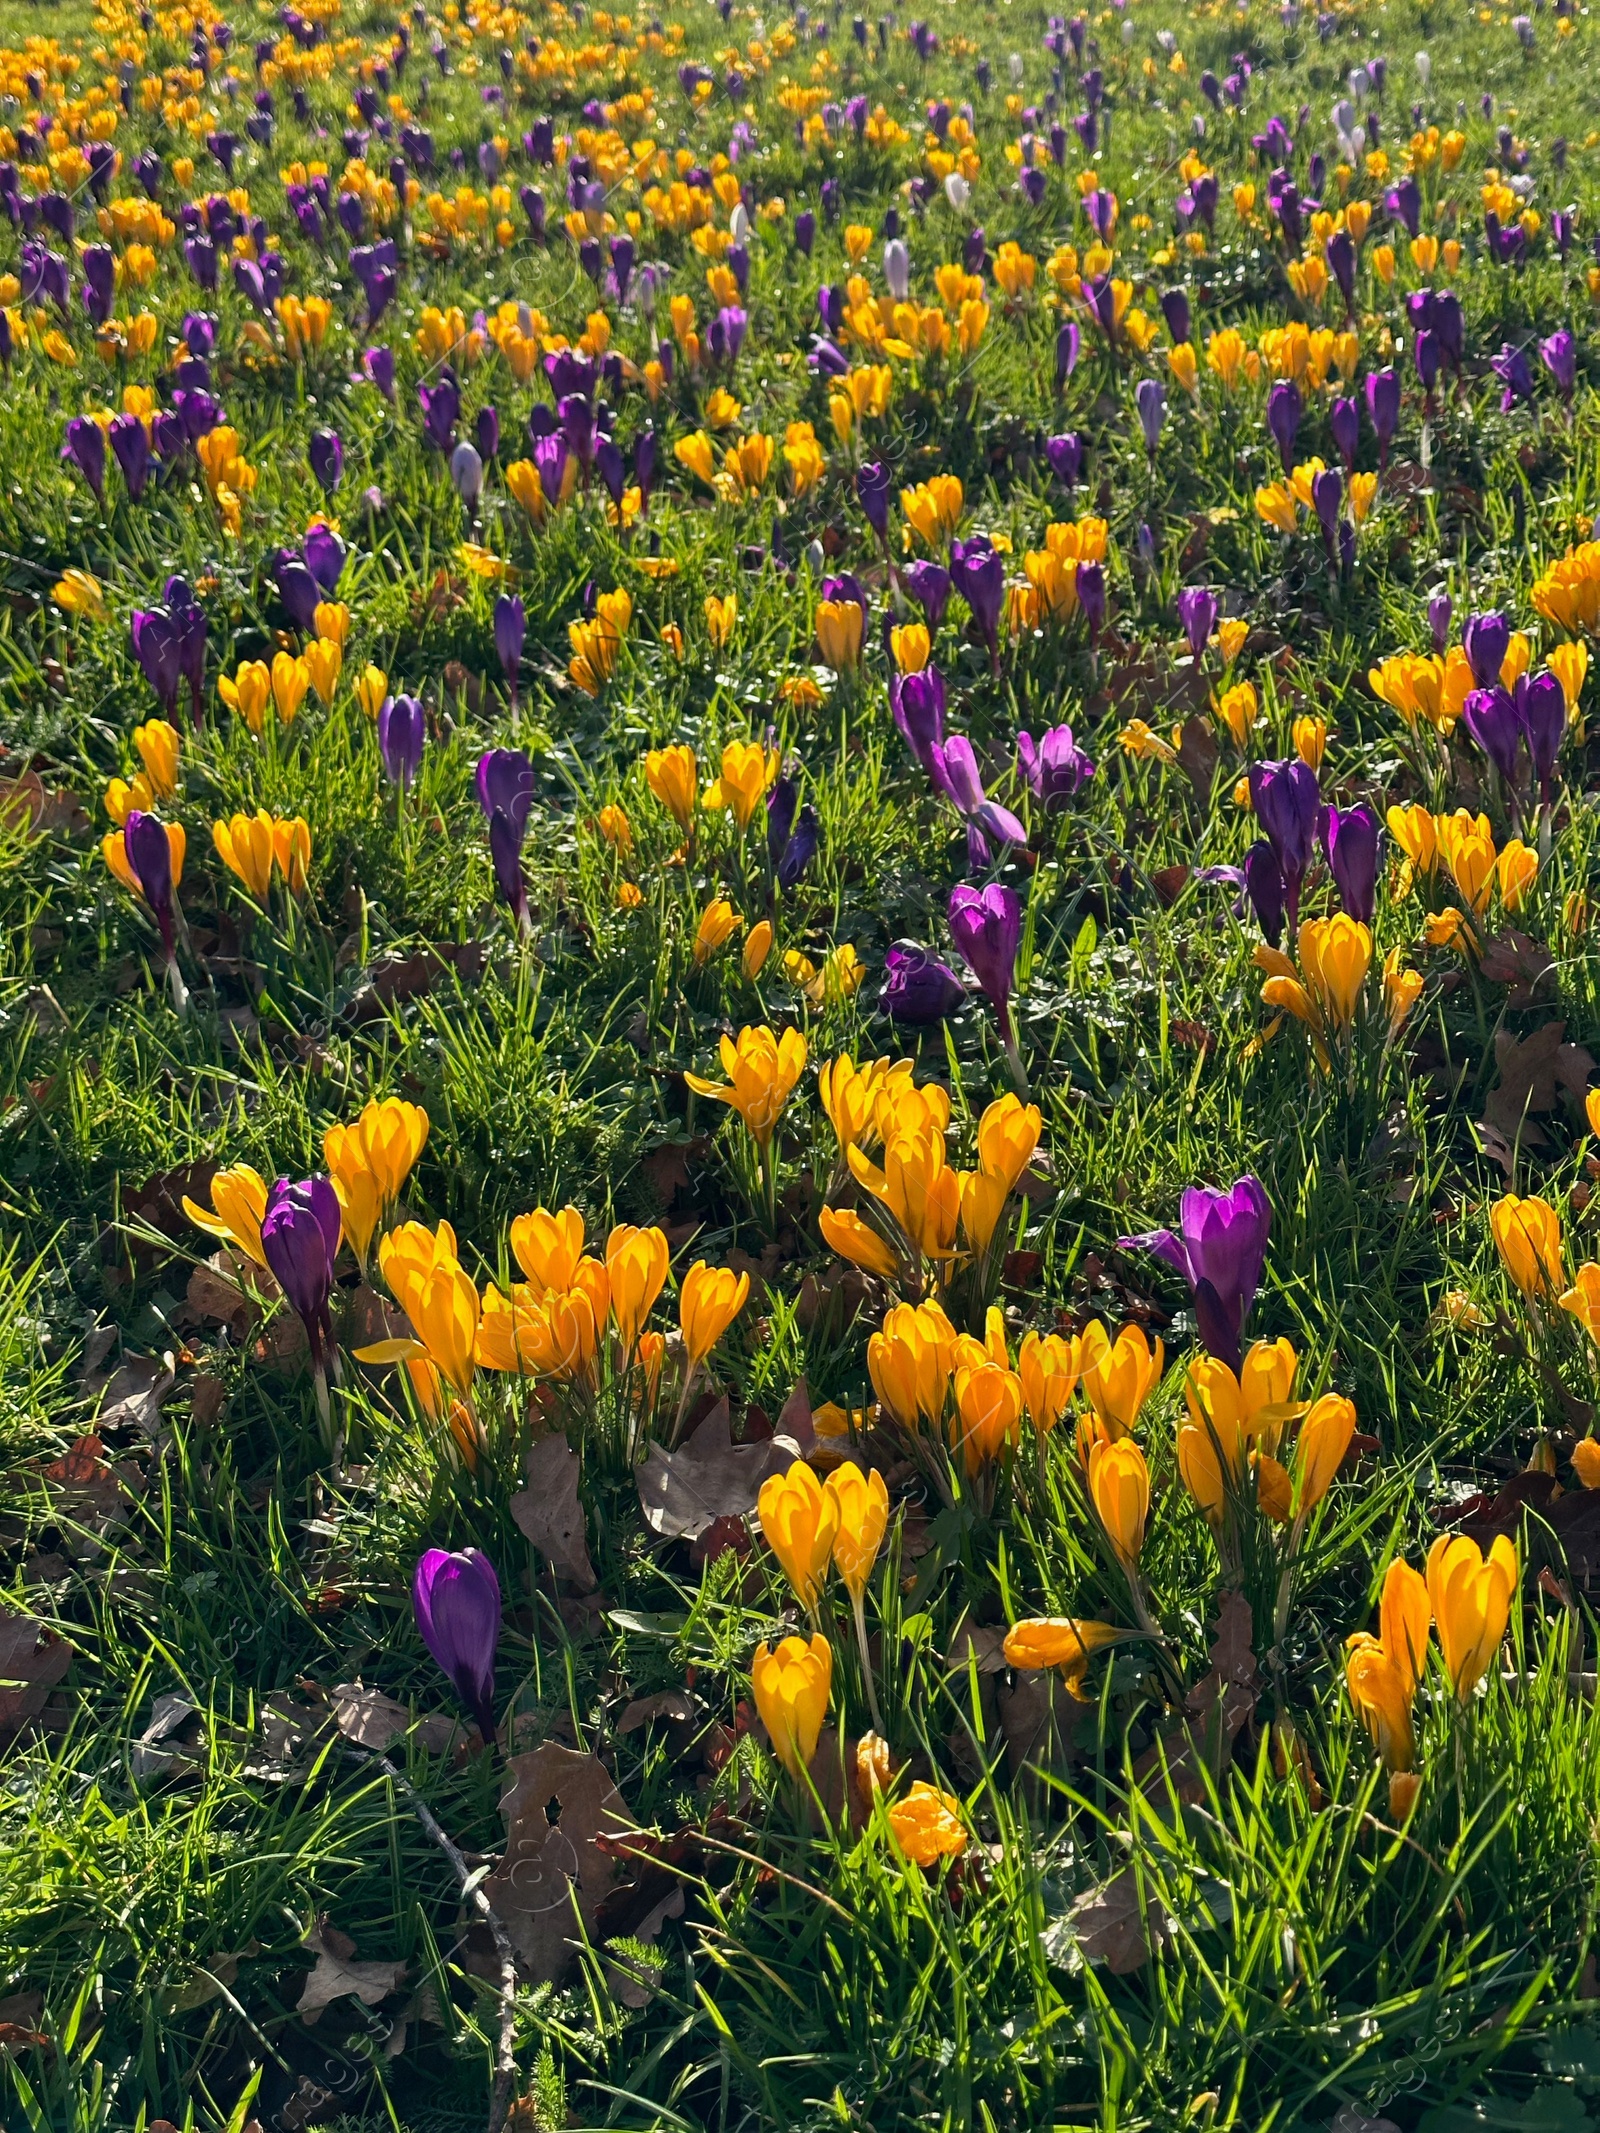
(927, 1824)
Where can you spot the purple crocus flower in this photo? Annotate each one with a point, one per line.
(1283, 418)
(872, 492)
(1542, 708)
(148, 853)
(377, 366)
(1559, 354)
(130, 444)
(300, 1242)
(1383, 405)
(326, 453)
(986, 927)
(456, 1600)
(917, 701)
(1486, 639)
(929, 585)
(1064, 455)
(1056, 768)
(1090, 581)
(1263, 886)
(99, 282)
(1351, 839)
(1219, 1248)
(1510, 366)
(1490, 716)
(324, 557)
(1327, 493)
(189, 630)
(510, 631)
(954, 770)
(441, 411)
(505, 793)
(1284, 796)
(402, 731)
(1175, 310)
(979, 573)
(1340, 253)
(918, 990)
(297, 589)
(1440, 609)
(1197, 611)
(155, 646)
(85, 446)
(1344, 424)
(1068, 342)
(1151, 401)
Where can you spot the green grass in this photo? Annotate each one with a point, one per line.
(1311, 1959)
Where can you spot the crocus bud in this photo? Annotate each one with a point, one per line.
(401, 733)
(327, 458)
(456, 1600)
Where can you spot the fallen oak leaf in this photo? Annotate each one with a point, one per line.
(554, 1862)
(1531, 1071)
(709, 1477)
(550, 1511)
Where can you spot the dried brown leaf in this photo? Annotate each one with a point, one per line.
(709, 1477)
(336, 1975)
(550, 1511)
(1532, 1069)
(373, 1720)
(1113, 1926)
(553, 1860)
(32, 1660)
(136, 1392)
